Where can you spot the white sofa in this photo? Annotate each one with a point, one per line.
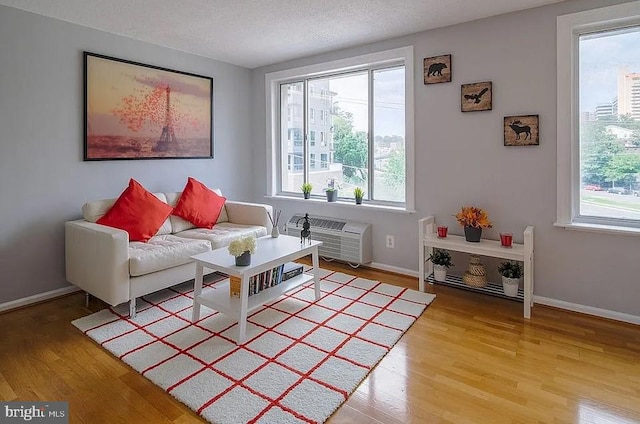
(101, 261)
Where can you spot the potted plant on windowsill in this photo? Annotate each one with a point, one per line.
(332, 190)
(473, 220)
(511, 273)
(306, 190)
(441, 260)
(358, 193)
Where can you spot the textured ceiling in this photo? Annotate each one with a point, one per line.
(253, 33)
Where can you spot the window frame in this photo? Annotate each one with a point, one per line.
(273, 81)
(569, 29)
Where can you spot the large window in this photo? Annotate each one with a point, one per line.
(358, 118)
(599, 118)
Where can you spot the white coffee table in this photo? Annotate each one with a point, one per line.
(270, 252)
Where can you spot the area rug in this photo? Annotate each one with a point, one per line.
(301, 361)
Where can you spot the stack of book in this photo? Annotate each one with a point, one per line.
(266, 279)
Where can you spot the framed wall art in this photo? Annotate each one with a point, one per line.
(138, 111)
(522, 130)
(437, 69)
(476, 97)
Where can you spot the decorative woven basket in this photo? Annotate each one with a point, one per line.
(477, 269)
(474, 280)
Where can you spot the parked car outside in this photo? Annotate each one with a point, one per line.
(618, 190)
(593, 187)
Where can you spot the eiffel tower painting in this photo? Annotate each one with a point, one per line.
(167, 136)
(138, 111)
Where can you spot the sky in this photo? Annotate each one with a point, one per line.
(601, 56)
(351, 96)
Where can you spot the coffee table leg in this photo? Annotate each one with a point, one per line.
(197, 289)
(316, 272)
(244, 303)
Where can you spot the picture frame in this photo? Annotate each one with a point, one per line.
(138, 111)
(437, 69)
(476, 97)
(522, 130)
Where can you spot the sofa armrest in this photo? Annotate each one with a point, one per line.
(97, 260)
(249, 214)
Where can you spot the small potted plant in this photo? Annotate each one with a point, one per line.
(473, 220)
(242, 249)
(358, 194)
(441, 260)
(306, 190)
(332, 190)
(511, 273)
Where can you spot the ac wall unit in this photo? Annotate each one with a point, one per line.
(341, 239)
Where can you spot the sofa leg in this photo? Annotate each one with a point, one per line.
(86, 300)
(132, 308)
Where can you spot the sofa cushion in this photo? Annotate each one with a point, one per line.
(178, 224)
(162, 252)
(199, 205)
(138, 212)
(222, 234)
(93, 211)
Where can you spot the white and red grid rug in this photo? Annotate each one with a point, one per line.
(302, 359)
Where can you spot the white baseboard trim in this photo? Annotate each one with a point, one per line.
(589, 310)
(37, 298)
(561, 304)
(391, 268)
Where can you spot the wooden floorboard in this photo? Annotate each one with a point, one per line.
(468, 359)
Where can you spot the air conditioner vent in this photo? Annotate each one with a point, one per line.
(345, 240)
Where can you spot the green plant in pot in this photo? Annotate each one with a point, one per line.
(358, 193)
(441, 260)
(306, 190)
(511, 273)
(332, 190)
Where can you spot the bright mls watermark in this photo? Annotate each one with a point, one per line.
(35, 412)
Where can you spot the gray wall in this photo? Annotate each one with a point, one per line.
(460, 158)
(43, 180)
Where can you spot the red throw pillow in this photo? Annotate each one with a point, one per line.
(138, 212)
(199, 205)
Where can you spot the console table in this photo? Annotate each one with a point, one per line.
(428, 240)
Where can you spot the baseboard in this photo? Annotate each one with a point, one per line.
(560, 304)
(589, 310)
(18, 303)
(391, 268)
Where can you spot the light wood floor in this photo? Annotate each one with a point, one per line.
(468, 359)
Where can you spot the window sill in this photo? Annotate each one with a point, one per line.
(346, 204)
(599, 228)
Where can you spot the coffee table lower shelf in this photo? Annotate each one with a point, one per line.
(491, 289)
(218, 297)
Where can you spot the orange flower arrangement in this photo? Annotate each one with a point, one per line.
(471, 216)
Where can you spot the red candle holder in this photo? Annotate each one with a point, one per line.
(442, 231)
(506, 239)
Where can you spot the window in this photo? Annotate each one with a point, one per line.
(365, 126)
(599, 119)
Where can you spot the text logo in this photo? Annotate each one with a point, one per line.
(34, 412)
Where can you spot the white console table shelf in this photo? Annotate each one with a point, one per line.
(429, 240)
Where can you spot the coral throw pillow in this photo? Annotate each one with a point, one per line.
(138, 212)
(199, 205)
